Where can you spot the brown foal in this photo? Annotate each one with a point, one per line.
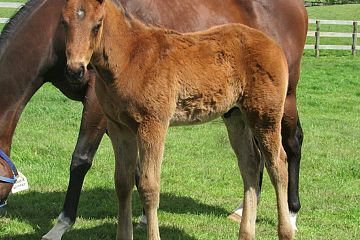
(152, 78)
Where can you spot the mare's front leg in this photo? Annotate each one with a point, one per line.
(151, 137)
(126, 152)
(93, 127)
(242, 142)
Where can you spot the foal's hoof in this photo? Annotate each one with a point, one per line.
(234, 217)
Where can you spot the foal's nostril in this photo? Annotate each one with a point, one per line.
(82, 71)
(75, 74)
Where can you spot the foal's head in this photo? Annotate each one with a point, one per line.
(83, 21)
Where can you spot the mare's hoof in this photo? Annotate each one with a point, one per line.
(234, 217)
(141, 226)
(142, 222)
(50, 238)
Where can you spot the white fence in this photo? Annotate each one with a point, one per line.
(10, 5)
(317, 34)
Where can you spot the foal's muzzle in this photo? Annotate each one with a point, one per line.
(75, 74)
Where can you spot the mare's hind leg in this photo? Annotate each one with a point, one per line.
(126, 152)
(242, 142)
(92, 129)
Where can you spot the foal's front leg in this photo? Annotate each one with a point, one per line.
(125, 149)
(151, 136)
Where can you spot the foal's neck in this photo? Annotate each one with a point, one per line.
(120, 32)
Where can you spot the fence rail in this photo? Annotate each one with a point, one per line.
(317, 34)
(10, 5)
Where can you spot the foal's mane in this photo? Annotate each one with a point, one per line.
(17, 19)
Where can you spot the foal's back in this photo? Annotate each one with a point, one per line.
(204, 74)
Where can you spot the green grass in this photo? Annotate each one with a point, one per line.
(200, 179)
(8, 12)
(335, 12)
(17, 1)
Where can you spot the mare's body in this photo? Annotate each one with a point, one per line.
(152, 78)
(34, 40)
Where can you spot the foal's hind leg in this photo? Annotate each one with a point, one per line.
(269, 140)
(126, 152)
(242, 142)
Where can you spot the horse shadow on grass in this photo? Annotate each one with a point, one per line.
(106, 231)
(38, 209)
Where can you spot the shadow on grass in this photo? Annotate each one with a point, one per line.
(105, 232)
(186, 205)
(38, 209)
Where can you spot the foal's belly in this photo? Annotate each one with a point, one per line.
(198, 108)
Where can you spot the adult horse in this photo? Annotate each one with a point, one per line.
(42, 57)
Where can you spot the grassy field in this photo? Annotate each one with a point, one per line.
(335, 12)
(200, 179)
(8, 12)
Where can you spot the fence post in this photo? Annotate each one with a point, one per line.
(354, 40)
(317, 39)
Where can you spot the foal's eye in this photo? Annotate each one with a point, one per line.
(96, 28)
(63, 22)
